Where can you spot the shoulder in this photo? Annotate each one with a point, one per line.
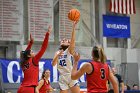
(87, 64)
(41, 81)
(89, 67)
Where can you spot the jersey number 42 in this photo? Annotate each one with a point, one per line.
(63, 62)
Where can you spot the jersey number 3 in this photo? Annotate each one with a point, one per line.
(102, 73)
(63, 62)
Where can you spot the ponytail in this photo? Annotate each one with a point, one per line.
(98, 54)
(102, 55)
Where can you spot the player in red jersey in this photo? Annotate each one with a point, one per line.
(30, 65)
(97, 72)
(44, 84)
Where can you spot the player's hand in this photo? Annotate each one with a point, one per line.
(31, 38)
(74, 24)
(49, 29)
(76, 57)
(60, 53)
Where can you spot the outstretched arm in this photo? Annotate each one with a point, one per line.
(76, 74)
(30, 43)
(72, 41)
(43, 47)
(55, 59)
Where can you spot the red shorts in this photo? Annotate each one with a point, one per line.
(25, 89)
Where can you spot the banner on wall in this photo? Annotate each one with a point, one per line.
(116, 26)
(12, 73)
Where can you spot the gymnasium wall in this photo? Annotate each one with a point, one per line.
(116, 55)
(135, 26)
(133, 57)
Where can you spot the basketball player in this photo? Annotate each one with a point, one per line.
(30, 65)
(97, 72)
(44, 84)
(64, 60)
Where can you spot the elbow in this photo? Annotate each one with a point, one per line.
(53, 63)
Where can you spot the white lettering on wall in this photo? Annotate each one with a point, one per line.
(41, 69)
(116, 26)
(10, 72)
(55, 75)
(54, 71)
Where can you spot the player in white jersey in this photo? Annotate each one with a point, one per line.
(64, 60)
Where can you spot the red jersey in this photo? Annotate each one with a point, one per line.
(97, 80)
(45, 87)
(31, 67)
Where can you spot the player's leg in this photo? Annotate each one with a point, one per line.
(63, 85)
(74, 86)
(64, 91)
(75, 89)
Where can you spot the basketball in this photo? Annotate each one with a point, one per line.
(74, 15)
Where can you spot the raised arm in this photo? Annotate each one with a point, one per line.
(55, 58)
(72, 41)
(76, 74)
(43, 47)
(30, 43)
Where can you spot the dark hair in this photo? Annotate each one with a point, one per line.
(44, 73)
(98, 53)
(95, 52)
(128, 87)
(135, 85)
(63, 47)
(24, 56)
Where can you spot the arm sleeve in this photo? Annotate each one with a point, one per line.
(29, 45)
(42, 50)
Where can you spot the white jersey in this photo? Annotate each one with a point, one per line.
(65, 63)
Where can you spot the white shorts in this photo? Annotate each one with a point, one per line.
(65, 82)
